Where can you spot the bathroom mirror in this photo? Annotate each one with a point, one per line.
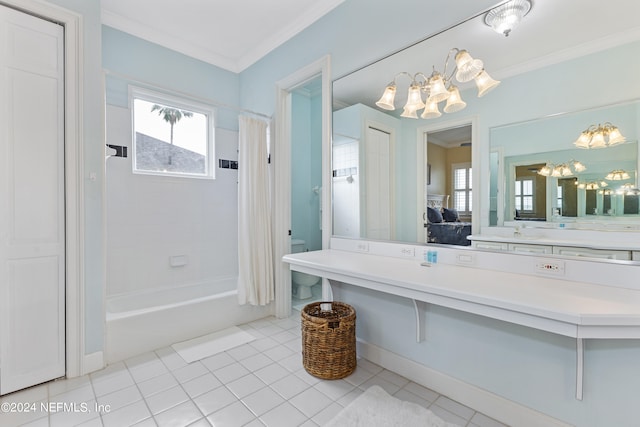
(583, 188)
(547, 71)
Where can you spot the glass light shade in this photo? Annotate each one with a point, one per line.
(507, 16)
(557, 172)
(592, 186)
(545, 170)
(414, 98)
(579, 167)
(583, 140)
(566, 170)
(615, 137)
(617, 175)
(603, 184)
(468, 68)
(431, 111)
(386, 100)
(597, 140)
(454, 102)
(437, 91)
(485, 83)
(581, 185)
(409, 113)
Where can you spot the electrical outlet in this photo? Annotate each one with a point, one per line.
(362, 247)
(550, 266)
(465, 259)
(408, 251)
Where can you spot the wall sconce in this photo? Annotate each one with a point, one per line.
(507, 16)
(617, 175)
(439, 87)
(600, 136)
(563, 169)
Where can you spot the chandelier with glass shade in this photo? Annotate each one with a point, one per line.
(438, 87)
(600, 136)
(562, 170)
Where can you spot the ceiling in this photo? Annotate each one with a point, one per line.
(231, 34)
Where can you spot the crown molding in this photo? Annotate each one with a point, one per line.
(235, 65)
(574, 52)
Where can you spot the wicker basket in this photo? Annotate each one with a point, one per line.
(329, 340)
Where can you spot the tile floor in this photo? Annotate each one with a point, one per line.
(261, 383)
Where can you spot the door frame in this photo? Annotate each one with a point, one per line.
(282, 163)
(73, 171)
(421, 170)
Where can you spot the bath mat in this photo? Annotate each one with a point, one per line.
(376, 408)
(208, 345)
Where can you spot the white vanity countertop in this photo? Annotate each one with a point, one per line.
(486, 292)
(594, 243)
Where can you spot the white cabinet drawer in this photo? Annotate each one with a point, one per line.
(491, 246)
(635, 255)
(530, 249)
(592, 253)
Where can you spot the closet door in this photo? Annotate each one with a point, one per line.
(32, 246)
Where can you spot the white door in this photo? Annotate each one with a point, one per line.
(378, 185)
(32, 244)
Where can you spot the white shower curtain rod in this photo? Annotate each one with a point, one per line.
(209, 101)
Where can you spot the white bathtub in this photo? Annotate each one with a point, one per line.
(144, 321)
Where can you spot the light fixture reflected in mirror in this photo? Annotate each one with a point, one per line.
(591, 185)
(600, 136)
(617, 175)
(562, 169)
(507, 16)
(439, 87)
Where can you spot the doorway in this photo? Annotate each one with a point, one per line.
(32, 190)
(283, 178)
(445, 171)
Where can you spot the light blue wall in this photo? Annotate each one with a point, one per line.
(306, 168)
(132, 60)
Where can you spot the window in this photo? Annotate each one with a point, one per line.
(524, 195)
(462, 200)
(171, 136)
(559, 198)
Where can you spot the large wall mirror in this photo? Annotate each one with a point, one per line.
(557, 79)
(546, 178)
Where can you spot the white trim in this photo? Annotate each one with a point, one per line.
(74, 185)
(174, 101)
(93, 362)
(234, 64)
(282, 175)
(492, 405)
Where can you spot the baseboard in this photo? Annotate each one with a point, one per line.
(492, 405)
(92, 362)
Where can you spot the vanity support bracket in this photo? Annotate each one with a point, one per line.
(579, 367)
(420, 307)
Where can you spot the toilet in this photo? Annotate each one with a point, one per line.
(303, 281)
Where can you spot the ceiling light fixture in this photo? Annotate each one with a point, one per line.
(507, 16)
(439, 87)
(600, 136)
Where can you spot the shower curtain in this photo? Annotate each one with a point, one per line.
(255, 255)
